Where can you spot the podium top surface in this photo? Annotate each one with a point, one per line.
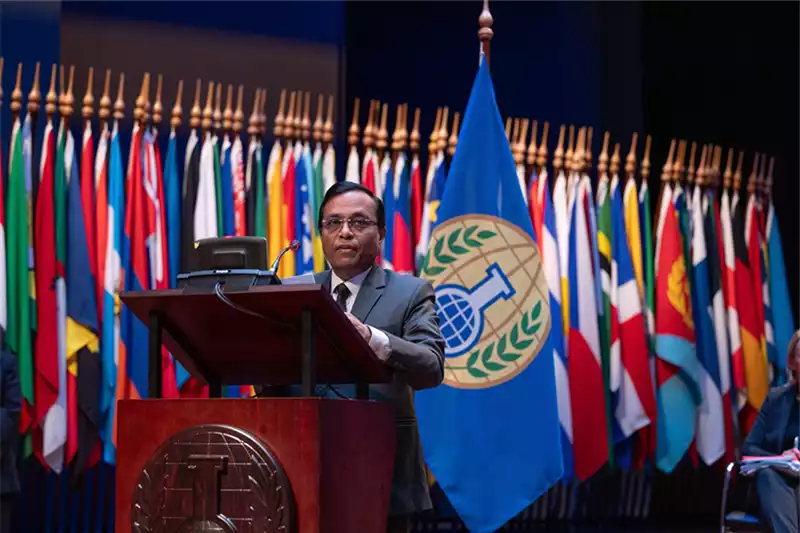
(259, 343)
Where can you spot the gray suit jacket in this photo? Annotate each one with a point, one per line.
(404, 308)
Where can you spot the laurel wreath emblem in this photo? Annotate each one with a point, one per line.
(481, 363)
(449, 247)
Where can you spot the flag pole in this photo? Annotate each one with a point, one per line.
(485, 32)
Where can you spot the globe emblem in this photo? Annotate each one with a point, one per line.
(491, 299)
(461, 310)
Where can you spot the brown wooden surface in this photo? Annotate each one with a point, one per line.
(241, 349)
(337, 454)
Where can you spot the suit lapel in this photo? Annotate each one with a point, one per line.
(369, 293)
(785, 411)
(323, 278)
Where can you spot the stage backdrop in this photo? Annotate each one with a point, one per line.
(670, 70)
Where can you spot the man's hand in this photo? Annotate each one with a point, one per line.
(794, 452)
(363, 330)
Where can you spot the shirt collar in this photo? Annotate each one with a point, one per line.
(353, 283)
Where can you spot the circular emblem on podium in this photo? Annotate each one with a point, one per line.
(491, 298)
(212, 478)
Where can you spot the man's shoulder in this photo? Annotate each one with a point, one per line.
(404, 282)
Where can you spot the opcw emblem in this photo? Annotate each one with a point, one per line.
(491, 297)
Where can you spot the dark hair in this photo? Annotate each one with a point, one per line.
(342, 187)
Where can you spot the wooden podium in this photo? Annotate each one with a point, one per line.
(293, 465)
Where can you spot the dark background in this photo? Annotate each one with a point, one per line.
(725, 73)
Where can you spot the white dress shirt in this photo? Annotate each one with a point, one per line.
(378, 341)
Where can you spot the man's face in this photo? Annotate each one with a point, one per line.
(352, 243)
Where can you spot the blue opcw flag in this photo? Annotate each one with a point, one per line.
(490, 432)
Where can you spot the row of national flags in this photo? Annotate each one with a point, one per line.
(657, 358)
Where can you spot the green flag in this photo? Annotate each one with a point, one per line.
(260, 218)
(604, 321)
(18, 332)
(649, 270)
(218, 186)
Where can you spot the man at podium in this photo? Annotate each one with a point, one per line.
(396, 315)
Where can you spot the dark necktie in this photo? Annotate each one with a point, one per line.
(342, 294)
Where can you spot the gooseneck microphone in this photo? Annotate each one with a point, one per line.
(293, 246)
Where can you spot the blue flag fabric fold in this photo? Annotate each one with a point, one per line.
(490, 432)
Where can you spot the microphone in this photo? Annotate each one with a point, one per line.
(293, 246)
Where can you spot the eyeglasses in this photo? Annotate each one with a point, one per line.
(357, 224)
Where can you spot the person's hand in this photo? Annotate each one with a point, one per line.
(794, 452)
(363, 330)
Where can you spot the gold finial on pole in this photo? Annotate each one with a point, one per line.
(558, 155)
(252, 124)
(677, 167)
(217, 113)
(119, 103)
(352, 133)
(327, 128)
(277, 130)
(317, 128)
(768, 182)
(305, 124)
(402, 138)
(751, 180)
(51, 98)
(177, 109)
(158, 106)
(761, 174)
(380, 131)
(35, 97)
(588, 150)
(568, 161)
(541, 157)
(16, 94)
(690, 169)
(104, 110)
(666, 170)
(630, 159)
(238, 114)
(646, 158)
(485, 32)
(616, 159)
(227, 113)
(452, 141)
(727, 176)
(262, 113)
(195, 112)
(69, 99)
(87, 109)
(208, 110)
(288, 122)
(530, 153)
(602, 160)
(433, 140)
(441, 143)
(700, 175)
(415, 138)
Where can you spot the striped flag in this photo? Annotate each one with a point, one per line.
(402, 242)
(277, 224)
(562, 208)
(416, 199)
(112, 354)
(221, 196)
(318, 258)
(239, 199)
(389, 200)
(82, 342)
(254, 185)
(535, 204)
(608, 325)
(710, 420)
(730, 294)
(305, 260)
(288, 173)
(328, 169)
(369, 170)
(748, 289)
(635, 400)
(585, 370)
(433, 195)
(642, 261)
(156, 239)
(46, 385)
(18, 331)
(677, 371)
(720, 320)
(548, 246)
(319, 193)
(132, 365)
(206, 223)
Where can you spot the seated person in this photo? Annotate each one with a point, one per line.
(774, 433)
